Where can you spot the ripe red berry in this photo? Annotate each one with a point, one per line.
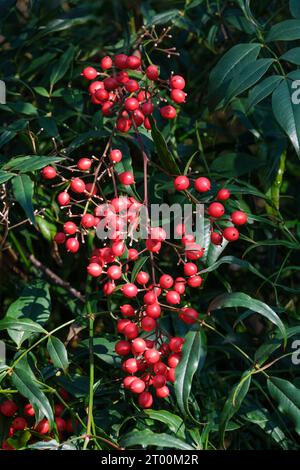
(216, 238)
(143, 96)
(148, 324)
(133, 254)
(223, 194)
(72, 245)
(172, 297)
(19, 424)
(178, 96)
(48, 173)
(142, 278)
(195, 281)
(120, 61)
(102, 94)
(230, 234)
(122, 77)
(94, 269)
(188, 315)
(177, 82)
(107, 108)
(58, 409)
(122, 348)
(153, 310)
(131, 104)
(88, 221)
(216, 210)
(114, 272)
(147, 124)
(180, 230)
(173, 360)
(130, 365)
(60, 424)
(132, 86)
(118, 248)
(126, 178)
(159, 381)
(89, 73)
(138, 117)
(127, 310)
(163, 392)
(147, 107)
(188, 239)
(78, 185)
(95, 86)
(160, 368)
(152, 72)
(108, 288)
(202, 184)
(138, 346)
(84, 164)
(60, 238)
(63, 198)
(110, 84)
(176, 343)
(179, 285)
(129, 290)
(137, 386)
(29, 410)
(115, 156)
(171, 375)
(43, 427)
(123, 124)
(128, 380)
(106, 63)
(166, 281)
(145, 400)
(152, 356)
(239, 218)
(131, 330)
(190, 269)
(168, 112)
(8, 408)
(133, 62)
(158, 233)
(70, 228)
(149, 298)
(181, 183)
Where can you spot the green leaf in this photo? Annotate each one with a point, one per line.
(23, 108)
(21, 325)
(41, 91)
(174, 422)
(193, 358)
(235, 164)
(22, 186)
(233, 402)
(166, 158)
(5, 176)
(247, 77)
(104, 349)
(286, 113)
(233, 260)
(288, 30)
(292, 56)
(30, 163)
(287, 397)
(148, 438)
(58, 353)
(294, 8)
(49, 126)
(61, 67)
(19, 439)
(263, 90)
(47, 229)
(239, 299)
(138, 266)
(30, 389)
(165, 17)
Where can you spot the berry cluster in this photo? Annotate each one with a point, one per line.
(132, 100)
(22, 418)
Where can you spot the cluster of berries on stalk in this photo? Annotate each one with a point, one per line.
(150, 355)
(22, 417)
(133, 100)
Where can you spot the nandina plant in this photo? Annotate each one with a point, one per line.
(156, 337)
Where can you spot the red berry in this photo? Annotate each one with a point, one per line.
(158, 381)
(158, 233)
(19, 424)
(95, 86)
(102, 95)
(176, 343)
(188, 239)
(137, 386)
(123, 124)
(132, 86)
(216, 210)
(179, 285)
(223, 194)
(130, 365)
(89, 73)
(138, 117)
(122, 77)
(84, 164)
(194, 251)
(230, 234)
(70, 228)
(115, 156)
(63, 198)
(131, 330)
(88, 221)
(216, 238)
(173, 360)
(178, 95)
(7, 446)
(121, 324)
(122, 348)
(48, 173)
(149, 298)
(168, 112)
(133, 254)
(29, 410)
(107, 108)
(147, 108)
(188, 315)
(172, 297)
(148, 324)
(128, 380)
(114, 272)
(163, 392)
(143, 95)
(129, 290)
(78, 185)
(60, 238)
(190, 269)
(106, 63)
(126, 178)
(58, 409)
(43, 427)
(239, 218)
(133, 62)
(166, 281)
(152, 72)
(152, 356)
(177, 82)
(180, 230)
(171, 375)
(147, 124)
(121, 61)
(8, 408)
(94, 269)
(195, 281)
(142, 278)
(145, 400)
(131, 104)
(72, 245)
(160, 368)
(108, 288)
(153, 310)
(181, 183)
(118, 248)
(60, 424)
(138, 346)
(202, 184)
(110, 84)
(127, 310)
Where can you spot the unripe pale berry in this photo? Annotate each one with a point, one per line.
(202, 184)
(181, 183)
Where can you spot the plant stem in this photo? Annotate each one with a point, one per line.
(92, 377)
